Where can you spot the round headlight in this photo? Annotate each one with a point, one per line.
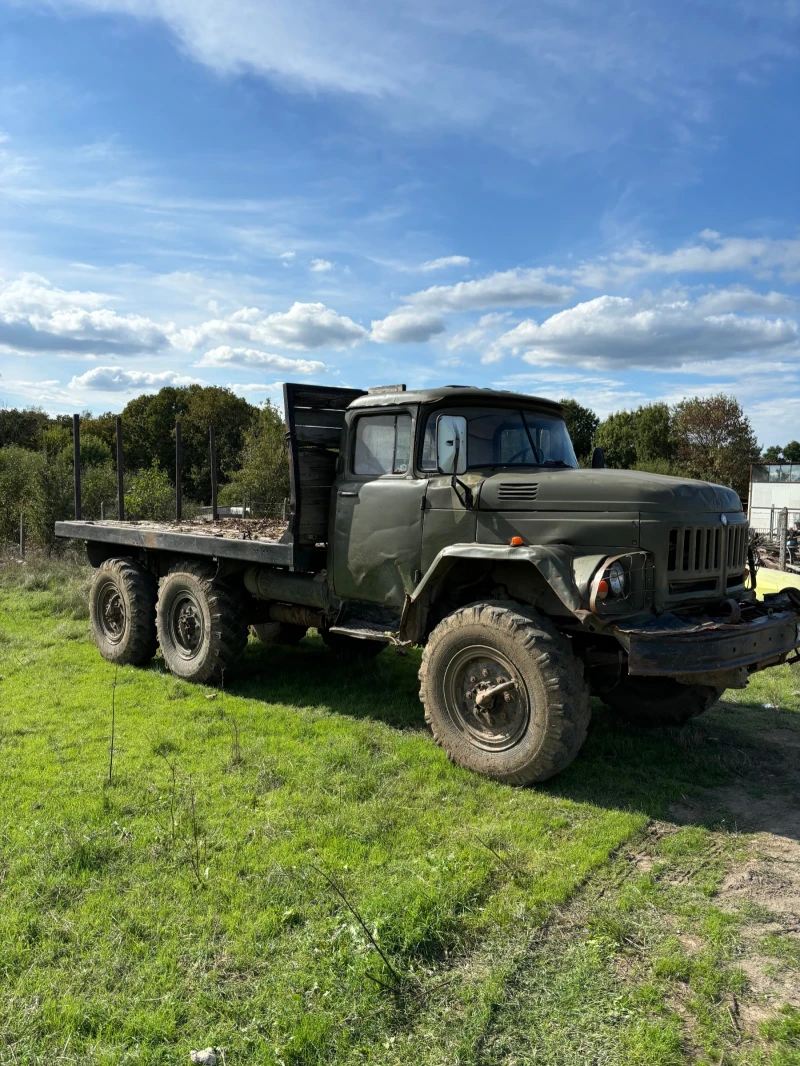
(617, 579)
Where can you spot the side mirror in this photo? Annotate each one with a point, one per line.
(598, 459)
(451, 444)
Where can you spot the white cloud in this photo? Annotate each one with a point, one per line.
(445, 261)
(36, 317)
(489, 327)
(287, 255)
(303, 327)
(509, 288)
(115, 379)
(650, 332)
(407, 325)
(250, 357)
(762, 256)
(320, 266)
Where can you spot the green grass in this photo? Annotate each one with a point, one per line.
(192, 900)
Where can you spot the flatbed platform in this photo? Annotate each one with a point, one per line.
(243, 539)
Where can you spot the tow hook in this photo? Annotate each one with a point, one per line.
(733, 611)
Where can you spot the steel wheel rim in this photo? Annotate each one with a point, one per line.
(187, 627)
(111, 612)
(474, 670)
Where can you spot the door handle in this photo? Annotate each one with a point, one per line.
(346, 492)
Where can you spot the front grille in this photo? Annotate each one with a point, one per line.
(518, 490)
(705, 549)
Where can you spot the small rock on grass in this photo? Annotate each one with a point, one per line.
(206, 1057)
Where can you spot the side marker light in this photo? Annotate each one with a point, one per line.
(602, 589)
(516, 542)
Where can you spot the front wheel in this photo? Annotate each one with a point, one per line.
(503, 692)
(659, 700)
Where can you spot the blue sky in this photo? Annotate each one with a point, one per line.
(575, 198)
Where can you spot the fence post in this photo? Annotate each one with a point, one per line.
(178, 473)
(22, 534)
(102, 510)
(771, 520)
(120, 473)
(212, 451)
(783, 526)
(76, 454)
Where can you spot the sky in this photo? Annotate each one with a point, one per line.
(595, 199)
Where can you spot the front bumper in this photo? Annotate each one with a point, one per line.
(679, 646)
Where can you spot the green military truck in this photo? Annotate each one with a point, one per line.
(458, 519)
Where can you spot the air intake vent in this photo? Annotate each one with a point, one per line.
(517, 490)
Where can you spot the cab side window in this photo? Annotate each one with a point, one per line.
(382, 445)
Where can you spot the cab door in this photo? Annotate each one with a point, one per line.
(377, 532)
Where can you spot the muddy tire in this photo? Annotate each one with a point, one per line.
(122, 608)
(279, 633)
(659, 700)
(351, 649)
(200, 620)
(526, 733)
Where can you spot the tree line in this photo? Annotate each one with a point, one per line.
(36, 458)
(708, 438)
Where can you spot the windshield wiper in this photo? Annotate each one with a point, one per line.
(557, 462)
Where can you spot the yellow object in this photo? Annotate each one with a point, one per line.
(775, 580)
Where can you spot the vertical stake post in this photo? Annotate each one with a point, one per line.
(76, 454)
(212, 451)
(783, 529)
(178, 473)
(102, 510)
(120, 473)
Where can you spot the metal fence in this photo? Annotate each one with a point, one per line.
(767, 520)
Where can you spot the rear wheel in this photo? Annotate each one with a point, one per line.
(503, 692)
(279, 633)
(122, 608)
(201, 627)
(660, 700)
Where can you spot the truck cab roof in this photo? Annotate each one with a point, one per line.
(394, 395)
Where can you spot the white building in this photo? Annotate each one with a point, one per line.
(773, 486)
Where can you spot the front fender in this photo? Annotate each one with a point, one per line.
(554, 563)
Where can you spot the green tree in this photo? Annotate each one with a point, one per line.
(773, 454)
(617, 437)
(653, 434)
(715, 441)
(149, 433)
(151, 494)
(38, 486)
(23, 427)
(263, 476)
(792, 451)
(581, 423)
(638, 438)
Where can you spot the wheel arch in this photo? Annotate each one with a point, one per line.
(533, 575)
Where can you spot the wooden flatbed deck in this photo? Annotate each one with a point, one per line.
(246, 540)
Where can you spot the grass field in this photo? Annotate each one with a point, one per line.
(288, 868)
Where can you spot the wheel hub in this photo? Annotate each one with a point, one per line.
(187, 625)
(112, 613)
(486, 698)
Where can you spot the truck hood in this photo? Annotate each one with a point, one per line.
(601, 490)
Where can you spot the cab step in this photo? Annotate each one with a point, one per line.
(362, 629)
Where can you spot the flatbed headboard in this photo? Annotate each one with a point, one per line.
(314, 421)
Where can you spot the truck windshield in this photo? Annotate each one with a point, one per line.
(506, 436)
